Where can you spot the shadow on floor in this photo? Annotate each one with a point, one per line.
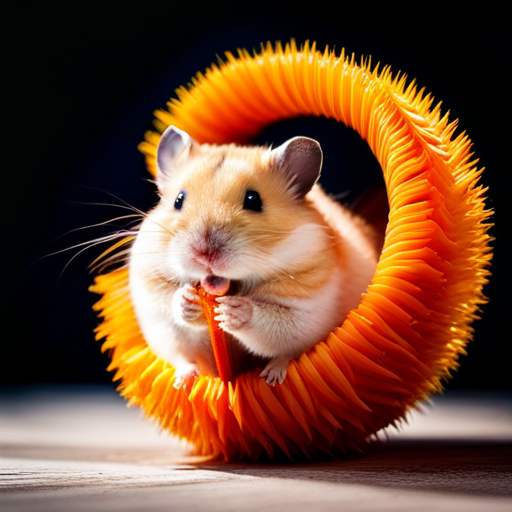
(480, 468)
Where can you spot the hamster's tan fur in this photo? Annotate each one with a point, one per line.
(298, 261)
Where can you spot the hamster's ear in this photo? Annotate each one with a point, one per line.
(300, 159)
(174, 146)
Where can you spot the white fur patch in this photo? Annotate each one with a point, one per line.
(302, 243)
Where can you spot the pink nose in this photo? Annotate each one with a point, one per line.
(205, 254)
(210, 246)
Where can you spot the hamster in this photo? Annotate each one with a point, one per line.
(254, 218)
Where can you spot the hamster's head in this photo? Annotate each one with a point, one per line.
(236, 212)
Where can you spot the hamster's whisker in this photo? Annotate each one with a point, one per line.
(84, 246)
(124, 204)
(162, 226)
(273, 269)
(91, 226)
(259, 260)
(102, 262)
(92, 243)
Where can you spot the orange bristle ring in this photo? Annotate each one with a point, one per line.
(405, 337)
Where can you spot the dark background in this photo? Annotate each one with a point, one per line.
(80, 87)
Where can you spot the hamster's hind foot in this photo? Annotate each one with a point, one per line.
(275, 371)
(185, 376)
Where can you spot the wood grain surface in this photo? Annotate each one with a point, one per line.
(81, 448)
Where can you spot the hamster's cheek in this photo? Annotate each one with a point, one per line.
(177, 258)
(245, 265)
(181, 262)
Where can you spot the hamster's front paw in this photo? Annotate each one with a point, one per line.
(187, 305)
(233, 312)
(275, 371)
(185, 375)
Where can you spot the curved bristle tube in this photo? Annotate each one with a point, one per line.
(406, 335)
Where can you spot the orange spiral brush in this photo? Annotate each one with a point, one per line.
(406, 335)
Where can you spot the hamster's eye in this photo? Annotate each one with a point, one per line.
(178, 202)
(252, 201)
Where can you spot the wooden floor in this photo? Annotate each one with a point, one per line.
(81, 449)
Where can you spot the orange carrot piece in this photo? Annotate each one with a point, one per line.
(221, 348)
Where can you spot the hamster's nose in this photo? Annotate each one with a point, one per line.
(204, 254)
(210, 245)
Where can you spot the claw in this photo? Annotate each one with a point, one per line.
(185, 377)
(189, 304)
(275, 371)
